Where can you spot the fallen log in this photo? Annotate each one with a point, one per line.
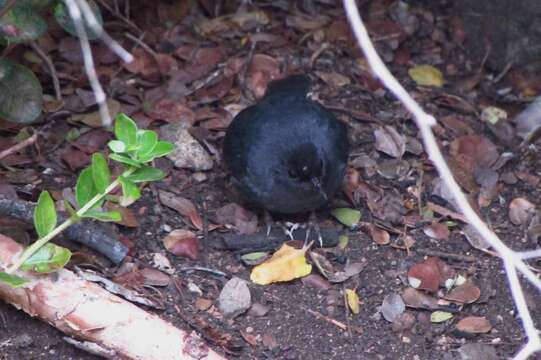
(88, 312)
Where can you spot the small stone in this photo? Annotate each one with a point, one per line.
(188, 153)
(235, 298)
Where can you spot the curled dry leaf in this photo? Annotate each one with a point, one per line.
(305, 23)
(316, 281)
(258, 310)
(202, 304)
(351, 183)
(182, 242)
(474, 238)
(172, 111)
(244, 220)
(430, 274)
(353, 300)
(474, 325)
(466, 293)
(333, 78)
(521, 211)
(392, 307)
(419, 300)
(153, 277)
(379, 235)
(285, 264)
(473, 152)
(438, 231)
(262, 70)
(327, 270)
(184, 207)
(390, 142)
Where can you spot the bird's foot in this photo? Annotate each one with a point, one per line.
(268, 222)
(313, 224)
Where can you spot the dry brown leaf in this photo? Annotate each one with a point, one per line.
(419, 300)
(333, 78)
(379, 235)
(184, 206)
(466, 293)
(182, 242)
(390, 142)
(474, 325)
(521, 211)
(437, 231)
(473, 152)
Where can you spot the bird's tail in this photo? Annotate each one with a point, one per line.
(293, 85)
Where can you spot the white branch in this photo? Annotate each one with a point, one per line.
(512, 260)
(76, 8)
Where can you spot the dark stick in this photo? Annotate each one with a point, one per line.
(93, 234)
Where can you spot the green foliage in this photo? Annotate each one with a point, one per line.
(22, 23)
(133, 148)
(44, 215)
(63, 18)
(48, 258)
(21, 96)
(12, 280)
(85, 189)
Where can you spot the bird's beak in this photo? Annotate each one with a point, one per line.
(317, 184)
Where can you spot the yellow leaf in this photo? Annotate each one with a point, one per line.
(426, 75)
(286, 264)
(353, 301)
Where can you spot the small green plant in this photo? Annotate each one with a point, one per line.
(134, 148)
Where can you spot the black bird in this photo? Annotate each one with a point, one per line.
(286, 153)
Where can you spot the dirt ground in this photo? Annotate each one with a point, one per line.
(304, 319)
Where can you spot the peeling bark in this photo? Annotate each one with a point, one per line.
(88, 312)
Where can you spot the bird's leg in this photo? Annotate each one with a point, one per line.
(312, 223)
(268, 221)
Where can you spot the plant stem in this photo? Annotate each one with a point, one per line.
(32, 249)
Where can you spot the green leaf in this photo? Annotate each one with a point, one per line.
(104, 215)
(48, 258)
(125, 160)
(100, 172)
(146, 173)
(130, 192)
(21, 95)
(44, 215)
(426, 75)
(162, 148)
(12, 280)
(348, 217)
(22, 24)
(440, 316)
(85, 189)
(63, 18)
(126, 130)
(147, 140)
(117, 146)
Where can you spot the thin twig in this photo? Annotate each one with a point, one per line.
(319, 315)
(50, 65)
(15, 148)
(75, 14)
(204, 269)
(7, 7)
(512, 260)
(119, 15)
(139, 41)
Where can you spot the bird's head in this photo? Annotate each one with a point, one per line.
(305, 165)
